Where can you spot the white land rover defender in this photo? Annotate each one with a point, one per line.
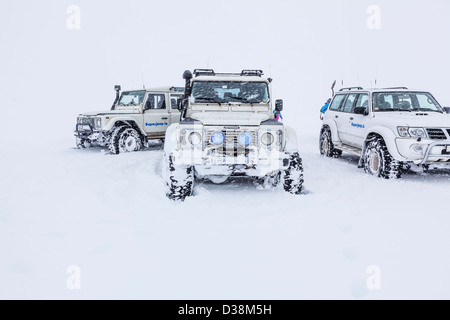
(389, 129)
(227, 129)
(135, 117)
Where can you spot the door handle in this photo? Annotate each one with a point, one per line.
(165, 118)
(351, 118)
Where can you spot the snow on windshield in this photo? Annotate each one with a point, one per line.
(230, 92)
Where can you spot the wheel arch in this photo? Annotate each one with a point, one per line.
(125, 122)
(331, 125)
(388, 137)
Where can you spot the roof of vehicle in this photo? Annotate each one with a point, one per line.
(390, 89)
(230, 78)
(160, 89)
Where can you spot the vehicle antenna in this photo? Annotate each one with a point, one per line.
(143, 82)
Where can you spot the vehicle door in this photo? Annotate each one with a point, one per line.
(359, 121)
(344, 122)
(156, 117)
(334, 111)
(174, 112)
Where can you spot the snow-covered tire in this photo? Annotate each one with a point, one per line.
(326, 145)
(125, 139)
(293, 175)
(180, 181)
(271, 181)
(83, 143)
(379, 162)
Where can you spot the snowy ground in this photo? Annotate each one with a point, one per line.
(60, 206)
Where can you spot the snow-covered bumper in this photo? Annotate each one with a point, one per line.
(87, 132)
(212, 162)
(424, 151)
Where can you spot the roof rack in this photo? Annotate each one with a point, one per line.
(204, 72)
(393, 88)
(351, 88)
(244, 73)
(252, 73)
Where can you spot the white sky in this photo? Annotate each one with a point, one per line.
(303, 45)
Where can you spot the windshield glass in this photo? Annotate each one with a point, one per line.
(131, 98)
(405, 101)
(230, 92)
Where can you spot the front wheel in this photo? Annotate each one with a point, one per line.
(293, 175)
(125, 139)
(326, 145)
(180, 181)
(379, 162)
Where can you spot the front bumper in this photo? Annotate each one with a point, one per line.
(86, 132)
(427, 151)
(255, 163)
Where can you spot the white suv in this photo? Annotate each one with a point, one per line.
(227, 129)
(389, 129)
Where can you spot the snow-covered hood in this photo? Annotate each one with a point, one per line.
(415, 119)
(112, 112)
(229, 119)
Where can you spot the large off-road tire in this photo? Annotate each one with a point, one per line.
(293, 175)
(180, 181)
(270, 181)
(125, 139)
(83, 143)
(379, 162)
(326, 145)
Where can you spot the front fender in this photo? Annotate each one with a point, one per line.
(291, 140)
(334, 131)
(112, 123)
(389, 139)
(171, 141)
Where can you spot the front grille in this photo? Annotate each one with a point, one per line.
(231, 146)
(436, 134)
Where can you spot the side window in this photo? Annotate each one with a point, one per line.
(363, 101)
(155, 101)
(337, 101)
(174, 98)
(349, 102)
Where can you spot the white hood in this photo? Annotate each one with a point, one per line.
(229, 119)
(414, 119)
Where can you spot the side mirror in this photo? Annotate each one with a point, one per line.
(447, 109)
(117, 88)
(361, 110)
(279, 105)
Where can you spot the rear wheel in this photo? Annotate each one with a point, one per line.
(379, 162)
(125, 139)
(326, 145)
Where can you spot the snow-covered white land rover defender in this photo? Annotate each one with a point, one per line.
(135, 118)
(227, 129)
(389, 129)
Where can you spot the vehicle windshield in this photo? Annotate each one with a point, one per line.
(230, 92)
(405, 101)
(131, 98)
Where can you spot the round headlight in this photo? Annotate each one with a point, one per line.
(245, 138)
(195, 138)
(417, 132)
(267, 139)
(217, 138)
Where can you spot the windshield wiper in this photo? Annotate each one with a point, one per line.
(242, 99)
(209, 99)
(426, 110)
(393, 110)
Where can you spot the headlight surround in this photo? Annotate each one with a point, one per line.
(417, 132)
(412, 132)
(245, 138)
(195, 138)
(267, 139)
(217, 138)
(98, 123)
